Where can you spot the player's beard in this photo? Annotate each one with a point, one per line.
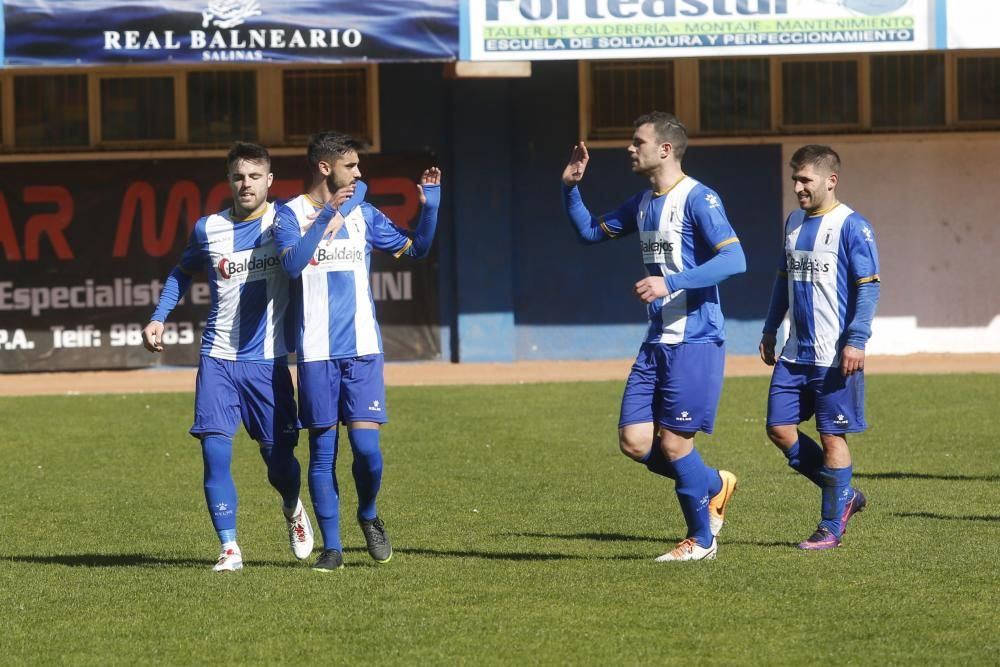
(332, 186)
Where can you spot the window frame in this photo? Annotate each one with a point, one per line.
(371, 93)
(687, 94)
(9, 120)
(270, 113)
(863, 96)
(235, 69)
(180, 107)
(951, 103)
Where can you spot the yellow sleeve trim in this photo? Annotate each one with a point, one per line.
(727, 242)
(399, 253)
(782, 274)
(869, 279)
(607, 230)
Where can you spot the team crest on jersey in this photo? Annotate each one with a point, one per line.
(867, 231)
(713, 201)
(229, 13)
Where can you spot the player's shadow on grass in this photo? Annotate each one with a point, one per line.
(508, 555)
(619, 537)
(923, 475)
(128, 560)
(945, 517)
(590, 537)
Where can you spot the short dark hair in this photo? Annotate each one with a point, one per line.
(244, 150)
(668, 128)
(330, 145)
(816, 155)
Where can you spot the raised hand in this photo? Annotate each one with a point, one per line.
(573, 173)
(430, 176)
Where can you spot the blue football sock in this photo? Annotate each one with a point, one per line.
(836, 493)
(656, 462)
(806, 458)
(220, 490)
(283, 472)
(692, 492)
(367, 469)
(323, 485)
(714, 480)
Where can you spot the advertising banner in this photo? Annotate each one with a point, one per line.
(94, 32)
(627, 29)
(85, 247)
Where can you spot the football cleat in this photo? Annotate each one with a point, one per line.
(230, 559)
(376, 539)
(300, 533)
(329, 561)
(688, 549)
(717, 505)
(822, 539)
(857, 503)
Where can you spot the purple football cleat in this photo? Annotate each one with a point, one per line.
(823, 538)
(853, 506)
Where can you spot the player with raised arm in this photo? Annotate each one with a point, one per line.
(828, 284)
(243, 369)
(688, 248)
(340, 356)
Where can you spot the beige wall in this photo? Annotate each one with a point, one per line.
(934, 201)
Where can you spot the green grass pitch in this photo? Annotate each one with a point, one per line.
(522, 536)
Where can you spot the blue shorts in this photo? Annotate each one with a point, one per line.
(798, 391)
(261, 395)
(676, 386)
(345, 390)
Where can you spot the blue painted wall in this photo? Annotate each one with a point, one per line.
(516, 283)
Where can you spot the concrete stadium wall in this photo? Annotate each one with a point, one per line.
(516, 284)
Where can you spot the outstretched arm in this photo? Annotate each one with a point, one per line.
(611, 225)
(587, 226)
(430, 201)
(175, 287)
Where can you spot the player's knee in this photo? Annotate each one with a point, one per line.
(633, 447)
(782, 436)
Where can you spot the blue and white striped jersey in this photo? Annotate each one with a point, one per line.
(678, 229)
(249, 289)
(826, 258)
(332, 305)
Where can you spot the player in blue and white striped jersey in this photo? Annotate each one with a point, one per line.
(688, 248)
(243, 370)
(326, 237)
(828, 284)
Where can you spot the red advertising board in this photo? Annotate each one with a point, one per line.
(85, 247)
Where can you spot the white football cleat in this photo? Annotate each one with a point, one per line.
(717, 505)
(300, 533)
(230, 559)
(688, 549)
